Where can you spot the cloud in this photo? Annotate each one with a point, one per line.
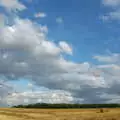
(39, 97)
(59, 20)
(111, 98)
(65, 47)
(2, 20)
(32, 56)
(40, 15)
(108, 58)
(104, 18)
(111, 3)
(5, 89)
(30, 85)
(44, 29)
(114, 14)
(12, 5)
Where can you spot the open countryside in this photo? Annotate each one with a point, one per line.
(59, 114)
(59, 59)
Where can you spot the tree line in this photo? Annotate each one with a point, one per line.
(60, 106)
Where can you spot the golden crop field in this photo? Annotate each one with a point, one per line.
(59, 114)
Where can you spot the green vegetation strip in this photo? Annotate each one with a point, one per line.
(67, 106)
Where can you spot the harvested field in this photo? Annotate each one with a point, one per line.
(59, 114)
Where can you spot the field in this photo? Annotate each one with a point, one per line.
(59, 114)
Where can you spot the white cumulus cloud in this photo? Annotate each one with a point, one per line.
(65, 47)
(40, 15)
(12, 5)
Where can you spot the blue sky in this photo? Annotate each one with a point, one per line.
(75, 35)
(81, 25)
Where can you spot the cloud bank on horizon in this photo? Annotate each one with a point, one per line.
(26, 52)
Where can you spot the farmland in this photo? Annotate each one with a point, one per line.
(59, 114)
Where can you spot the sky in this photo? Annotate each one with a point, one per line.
(59, 51)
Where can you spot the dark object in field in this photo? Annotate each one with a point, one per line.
(101, 110)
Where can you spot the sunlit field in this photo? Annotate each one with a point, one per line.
(59, 114)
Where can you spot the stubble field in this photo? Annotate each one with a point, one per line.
(59, 114)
